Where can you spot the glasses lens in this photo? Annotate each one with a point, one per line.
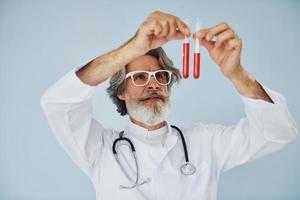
(163, 77)
(140, 78)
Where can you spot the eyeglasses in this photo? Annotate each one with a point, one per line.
(142, 78)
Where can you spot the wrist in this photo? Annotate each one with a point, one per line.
(243, 82)
(132, 48)
(238, 74)
(129, 50)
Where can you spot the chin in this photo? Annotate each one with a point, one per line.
(152, 113)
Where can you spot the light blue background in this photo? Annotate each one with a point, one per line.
(40, 41)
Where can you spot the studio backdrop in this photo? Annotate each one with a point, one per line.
(40, 41)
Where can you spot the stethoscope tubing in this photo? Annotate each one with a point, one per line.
(135, 183)
(183, 143)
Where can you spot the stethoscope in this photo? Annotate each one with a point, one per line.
(186, 169)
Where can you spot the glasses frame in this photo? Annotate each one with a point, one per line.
(150, 74)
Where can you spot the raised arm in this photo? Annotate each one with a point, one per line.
(68, 103)
(268, 125)
(156, 30)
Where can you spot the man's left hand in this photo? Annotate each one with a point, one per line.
(225, 50)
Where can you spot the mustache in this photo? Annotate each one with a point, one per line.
(158, 94)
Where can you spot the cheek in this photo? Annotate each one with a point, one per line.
(130, 90)
(133, 93)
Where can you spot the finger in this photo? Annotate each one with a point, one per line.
(178, 36)
(209, 45)
(183, 28)
(232, 44)
(216, 30)
(165, 29)
(224, 36)
(156, 28)
(172, 30)
(200, 34)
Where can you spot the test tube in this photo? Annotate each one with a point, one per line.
(186, 56)
(197, 54)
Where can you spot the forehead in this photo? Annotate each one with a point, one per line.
(145, 62)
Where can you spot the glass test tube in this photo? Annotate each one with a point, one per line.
(186, 56)
(197, 54)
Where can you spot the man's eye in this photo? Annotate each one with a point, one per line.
(140, 77)
(161, 75)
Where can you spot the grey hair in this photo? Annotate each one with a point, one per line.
(117, 81)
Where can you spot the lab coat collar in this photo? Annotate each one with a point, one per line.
(144, 134)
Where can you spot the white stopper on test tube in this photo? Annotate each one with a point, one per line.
(198, 27)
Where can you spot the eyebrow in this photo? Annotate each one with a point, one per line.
(145, 70)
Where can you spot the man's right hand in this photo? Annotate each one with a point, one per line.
(156, 30)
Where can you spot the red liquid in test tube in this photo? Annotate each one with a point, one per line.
(197, 60)
(186, 58)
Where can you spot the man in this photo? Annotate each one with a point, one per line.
(140, 85)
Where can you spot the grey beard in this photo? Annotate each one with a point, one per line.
(149, 115)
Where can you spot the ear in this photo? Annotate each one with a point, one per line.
(121, 96)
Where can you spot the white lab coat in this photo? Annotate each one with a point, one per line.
(212, 148)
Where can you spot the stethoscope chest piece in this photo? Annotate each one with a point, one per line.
(188, 169)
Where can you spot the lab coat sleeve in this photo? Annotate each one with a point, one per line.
(68, 108)
(267, 128)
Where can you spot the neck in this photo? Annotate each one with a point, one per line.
(149, 128)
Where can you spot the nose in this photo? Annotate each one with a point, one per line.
(153, 84)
